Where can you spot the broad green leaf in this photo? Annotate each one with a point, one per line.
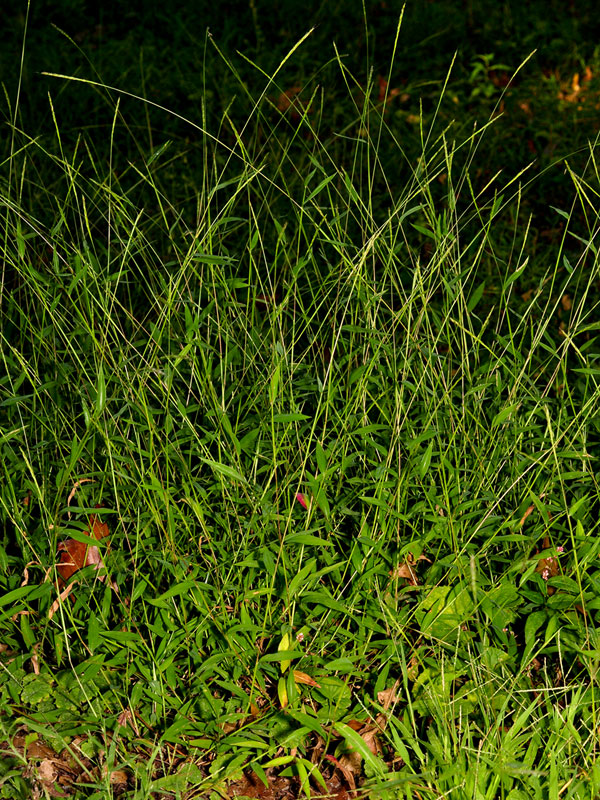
(158, 151)
(223, 469)
(100, 390)
(84, 538)
(320, 187)
(515, 275)
(179, 588)
(284, 645)
(307, 539)
(16, 594)
(503, 415)
(476, 296)
(274, 384)
(426, 460)
(94, 638)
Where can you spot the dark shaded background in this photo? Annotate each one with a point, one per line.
(172, 37)
(162, 51)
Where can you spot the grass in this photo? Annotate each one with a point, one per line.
(338, 406)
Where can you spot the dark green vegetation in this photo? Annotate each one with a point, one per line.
(365, 273)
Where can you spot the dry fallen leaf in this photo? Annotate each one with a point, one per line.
(387, 697)
(406, 569)
(60, 599)
(73, 555)
(526, 296)
(385, 94)
(529, 511)
(290, 103)
(118, 776)
(576, 90)
(350, 766)
(73, 491)
(35, 749)
(302, 677)
(126, 718)
(47, 771)
(55, 774)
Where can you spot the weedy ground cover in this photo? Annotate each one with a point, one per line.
(299, 439)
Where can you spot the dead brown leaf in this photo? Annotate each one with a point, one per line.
(406, 569)
(74, 555)
(302, 677)
(385, 95)
(351, 762)
(74, 490)
(526, 296)
(369, 736)
(290, 103)
(48, 775)
(60, 599)
(350, 765)
(56, 776)
(118, 777)
(575, 91)
(25, 580)
(388, 697)
(36, 749)
(126, 718)
(529, 511)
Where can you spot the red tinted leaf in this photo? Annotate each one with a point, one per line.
(302, 500)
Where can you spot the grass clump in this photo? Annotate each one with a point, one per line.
(341, 426)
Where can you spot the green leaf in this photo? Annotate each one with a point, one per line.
(476, 296)
(84, 538)
(510, 279)
(303, 579)
(179, 588)
(223, 469)
(425, 231)
(307, 539)
(334, 690)
(282, 656)
(532, 624)
(94, 638)
(274, 384)
(208, 258)
(340, 665)
(36, 688)
(320, 187)
(321, 458)
(16, 594)
(561, 212)
(319, 496)
(426, 460)
(503, 415)
(100, 391)
(444, 610)
(309, 722)
(158, 151)
(284, 646)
